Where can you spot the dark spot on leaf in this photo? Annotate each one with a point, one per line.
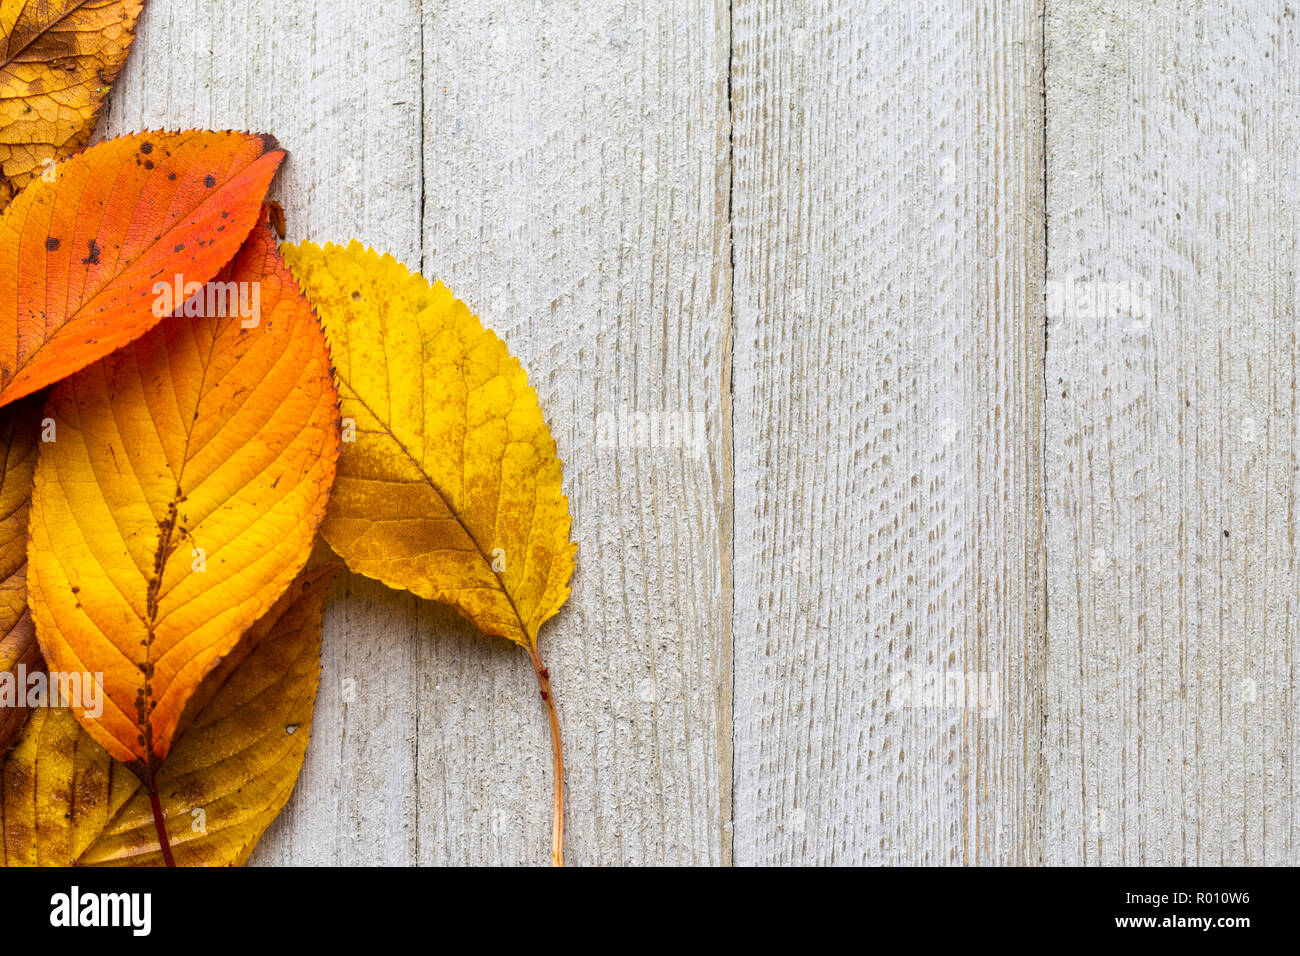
(171, 175)
(179, 247)
(146, 147)
(51, 243)
(148, 164)
(92, 256)
(209, 181)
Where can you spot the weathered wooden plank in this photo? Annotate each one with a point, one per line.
(575, 174)
(563, 168)
(888, 255)
(1172, 432)
(566, 170)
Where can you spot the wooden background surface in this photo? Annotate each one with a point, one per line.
(965, 336)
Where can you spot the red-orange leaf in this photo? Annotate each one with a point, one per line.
(80, 257)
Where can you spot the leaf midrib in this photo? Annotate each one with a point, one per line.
(419, 467)
(164, 549)
(39, 36)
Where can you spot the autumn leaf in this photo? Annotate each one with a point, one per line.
(20, 425)
(84, 259)
(57, 60)
(451, 488)
(65, 801)
(182, 494)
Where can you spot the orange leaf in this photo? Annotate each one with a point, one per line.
(190, 473)
(83, 258)
(19, 429)
(57, 61)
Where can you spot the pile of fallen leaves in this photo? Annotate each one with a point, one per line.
(186, 407)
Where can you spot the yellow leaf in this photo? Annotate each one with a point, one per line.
(65, 801)
(182, 494)
(57, 60)
(451, 487)
(20, 425)
(448, 484)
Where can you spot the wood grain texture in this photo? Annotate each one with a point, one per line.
(1173, 131)
(888, 239)
(574, 172)
(972, 595)
(563, 168)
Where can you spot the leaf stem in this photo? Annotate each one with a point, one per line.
(158, 821)
(557, 754)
